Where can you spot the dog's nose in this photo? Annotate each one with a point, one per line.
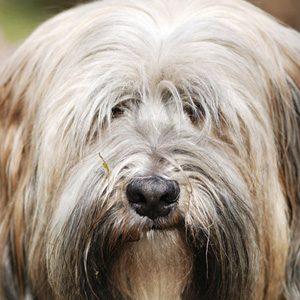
(153, 196)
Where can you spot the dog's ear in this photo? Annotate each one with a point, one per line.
(14, 147)
(287, 114)
(285, 103)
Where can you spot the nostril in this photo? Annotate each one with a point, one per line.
(168, 198)
(139, 198)
(164, 198)
(152, 196)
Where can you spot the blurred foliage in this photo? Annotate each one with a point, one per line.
(18, 18)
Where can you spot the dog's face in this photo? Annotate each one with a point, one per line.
(151, 151)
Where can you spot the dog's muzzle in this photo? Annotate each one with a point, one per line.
(153, 196)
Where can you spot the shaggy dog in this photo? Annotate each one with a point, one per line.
(150, 150)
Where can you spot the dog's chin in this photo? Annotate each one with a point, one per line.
(144, 258)
(158, 264)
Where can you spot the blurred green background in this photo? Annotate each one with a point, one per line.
(18, 18)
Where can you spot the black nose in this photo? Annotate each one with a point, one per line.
(152, 196)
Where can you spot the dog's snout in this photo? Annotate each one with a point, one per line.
(153, 196)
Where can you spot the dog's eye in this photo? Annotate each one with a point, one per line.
(117, 112)
(124, 106)
(119, 109)
(195, 111)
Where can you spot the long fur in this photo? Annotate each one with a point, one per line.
(204, 92)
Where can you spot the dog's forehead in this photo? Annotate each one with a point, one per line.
(145, 42)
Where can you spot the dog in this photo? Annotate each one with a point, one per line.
(150, 150)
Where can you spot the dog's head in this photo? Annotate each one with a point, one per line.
(150, 150)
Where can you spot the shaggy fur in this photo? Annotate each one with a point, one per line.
(201, 92)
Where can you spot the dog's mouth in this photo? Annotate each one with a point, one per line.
(148, 225)
(159, 227)
(171, 222)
